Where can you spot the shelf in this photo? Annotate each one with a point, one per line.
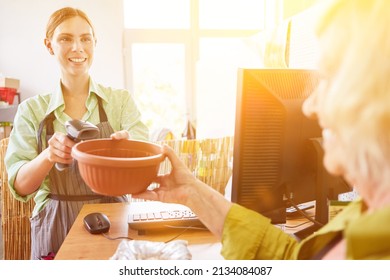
(5, 105)
(8, 106)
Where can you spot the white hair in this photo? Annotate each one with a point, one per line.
(355, 40)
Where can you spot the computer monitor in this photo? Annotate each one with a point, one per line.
(276, 159)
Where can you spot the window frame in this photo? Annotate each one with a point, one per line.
(190, 38)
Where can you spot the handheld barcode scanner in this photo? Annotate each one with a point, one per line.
(78, 130)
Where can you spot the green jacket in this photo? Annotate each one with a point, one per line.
(249, 235)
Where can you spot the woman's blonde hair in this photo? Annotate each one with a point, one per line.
(355, 44)
(63, 14)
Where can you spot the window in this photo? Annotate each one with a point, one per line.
(181, 59)
(157, 14)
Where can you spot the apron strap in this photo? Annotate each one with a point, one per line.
(48, 122)
(102, 113)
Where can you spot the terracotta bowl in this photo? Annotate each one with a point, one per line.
(117, 167)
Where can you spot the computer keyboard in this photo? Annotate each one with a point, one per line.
(165, 219)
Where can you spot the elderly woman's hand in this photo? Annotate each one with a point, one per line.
(122, 134)
(175, 187)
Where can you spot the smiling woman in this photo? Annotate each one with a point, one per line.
(73, 44)
(38, 140)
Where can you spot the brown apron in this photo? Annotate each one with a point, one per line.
(68, 193)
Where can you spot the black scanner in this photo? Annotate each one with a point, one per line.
(78, 130)
(97, 223)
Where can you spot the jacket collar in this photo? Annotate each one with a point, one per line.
(367, 235)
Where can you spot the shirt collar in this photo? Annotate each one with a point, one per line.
(369, 236)
(97, 89)
(57, 100)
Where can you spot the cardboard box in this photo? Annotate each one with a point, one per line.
(9, 83)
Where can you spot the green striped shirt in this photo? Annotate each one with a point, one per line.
(119, 105)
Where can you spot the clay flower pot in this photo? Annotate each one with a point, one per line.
(118, 167)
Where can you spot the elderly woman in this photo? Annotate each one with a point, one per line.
(352, 105)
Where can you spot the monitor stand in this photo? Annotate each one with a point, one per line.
(322, 183)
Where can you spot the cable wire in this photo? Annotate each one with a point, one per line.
(303, 213)
(116, 238)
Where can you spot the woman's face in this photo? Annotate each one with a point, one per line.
(73, 45)
(334, 153)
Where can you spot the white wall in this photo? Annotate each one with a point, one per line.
(24, 56)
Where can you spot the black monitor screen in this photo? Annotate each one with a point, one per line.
(273, 159)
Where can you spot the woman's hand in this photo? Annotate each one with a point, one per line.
(181, 186)
(31, 175)
(174, 187)
(122, 134)
(60, 148)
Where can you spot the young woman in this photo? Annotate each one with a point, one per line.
(38, 140)
(352, 105)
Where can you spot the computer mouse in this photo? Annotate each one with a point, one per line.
(97, 223)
